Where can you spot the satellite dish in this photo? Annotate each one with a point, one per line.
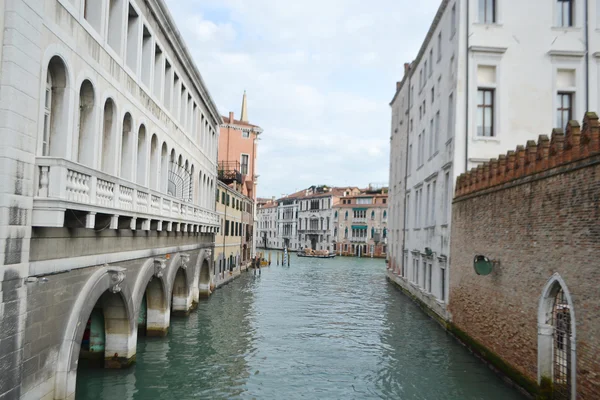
(482, 265)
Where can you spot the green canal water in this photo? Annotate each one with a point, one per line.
(320, 329)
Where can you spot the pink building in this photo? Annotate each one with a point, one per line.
(237, 151)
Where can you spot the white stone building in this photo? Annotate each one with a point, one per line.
(266, 237)
(486, 79)
(287, 223)
(108, 159)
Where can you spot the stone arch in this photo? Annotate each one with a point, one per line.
(86, 137)
(104, 280)
(164, 167)
(547, 335)
(180, 278)
(204, 278)
(55, 108)
(150, 290)
(127, 146)
(108, 150)
(142, 156)
(154, 163)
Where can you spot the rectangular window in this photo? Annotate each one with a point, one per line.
(429, 273)
(158, 72)
(133, 39)
(420, 139)
(487, 11)
(439, 47)
(244, 164)
(447, 196)
(245, 134)
(443, 284)
(485, 112)
(147, 53)
(450, 116)
(436, 130)
(433, 190)
(431, 139)
(167, 85)
(115, 24)
(432, 93)
(430, 62)
(564, 13)
(564, 110)
(453, 20)
(92, 12)
(409, 158)
(427, 216)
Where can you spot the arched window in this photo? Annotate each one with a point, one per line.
(193, 187)
(372, 233)
(164, 167)
(346, 217)
(346, 232)
(336, 215)
(86, 145)
(373, 214)
(47, 115)
(142, 156)
(556, 338)
(384, 233)
(109, 138)
(127, 148)
(154, 163)
(384, 214)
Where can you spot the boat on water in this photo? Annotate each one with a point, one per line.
(315, 253)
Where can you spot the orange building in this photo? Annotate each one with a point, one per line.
(237, 151)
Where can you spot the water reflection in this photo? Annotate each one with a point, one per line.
(326, 329)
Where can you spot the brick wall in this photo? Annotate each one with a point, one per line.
(537, 211)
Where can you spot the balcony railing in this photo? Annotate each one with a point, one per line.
(63, 184)
(359, 220)
(313, 231)
(359, 239)
(229, 172)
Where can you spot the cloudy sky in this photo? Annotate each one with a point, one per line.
(319, 76)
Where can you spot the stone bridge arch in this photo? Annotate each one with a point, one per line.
(180, 279)
(203, 282)
(121, 340)
(150, 282)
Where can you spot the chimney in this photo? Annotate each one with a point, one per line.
(231, 117)
(406, 68)
(397, 86)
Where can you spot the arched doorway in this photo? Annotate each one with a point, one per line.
(313, 243)
(179, 297)
(557, 339)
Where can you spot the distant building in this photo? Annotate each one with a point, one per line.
(267, 224)
(237, 157)
(360, 224)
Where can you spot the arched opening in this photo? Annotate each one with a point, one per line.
(85, 140)
(109, 138)
(200, 189)
(193, 186)
(154, 163)
(164, 167)
(557, 340)
(127, 153)
(204, 279)
(142, 156)
(172, 181)
(180, 295)
(153, 311)
(106, 329)
(54, 136)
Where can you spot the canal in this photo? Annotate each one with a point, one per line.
(320, 329)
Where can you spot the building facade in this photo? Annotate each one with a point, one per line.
(238, 140)
(529, 219)
(360, 224)
(462, 102)
(234, 241)
(287, 223)
(267, 225)
(109, 158)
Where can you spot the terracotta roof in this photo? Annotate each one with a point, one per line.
(226, 120)
(340, 205)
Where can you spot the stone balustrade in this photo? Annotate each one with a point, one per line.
(66, 185)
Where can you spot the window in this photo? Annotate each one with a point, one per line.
(92, 12)
(439, 47)
(432, 93)
(564, 110)
(443, 284)
(409, 158)
(424, 108)
(430, 62)
(147, 53)
(433, 194)
(450, 115)
(133, 34)
(436, 130)
(244, 164)
(487, 11)
(115, 23)
(420, 139)
(47, 114)
(453, 20)
(429, 270)
(245, 134)
(564, 13)
(431, 139)
(485, 112)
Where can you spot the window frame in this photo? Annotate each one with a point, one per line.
(485, 13)
(559, 106)
(485, 106)
(560, 7)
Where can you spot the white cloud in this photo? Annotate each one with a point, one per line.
(319, 77)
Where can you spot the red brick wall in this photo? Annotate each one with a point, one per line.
(541, 220)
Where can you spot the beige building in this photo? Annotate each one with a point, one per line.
(360, 224)
(234, 241)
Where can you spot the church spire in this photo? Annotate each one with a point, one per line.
(244, 116)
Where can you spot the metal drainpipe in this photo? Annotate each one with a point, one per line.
(587, 58)
(467, 89)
